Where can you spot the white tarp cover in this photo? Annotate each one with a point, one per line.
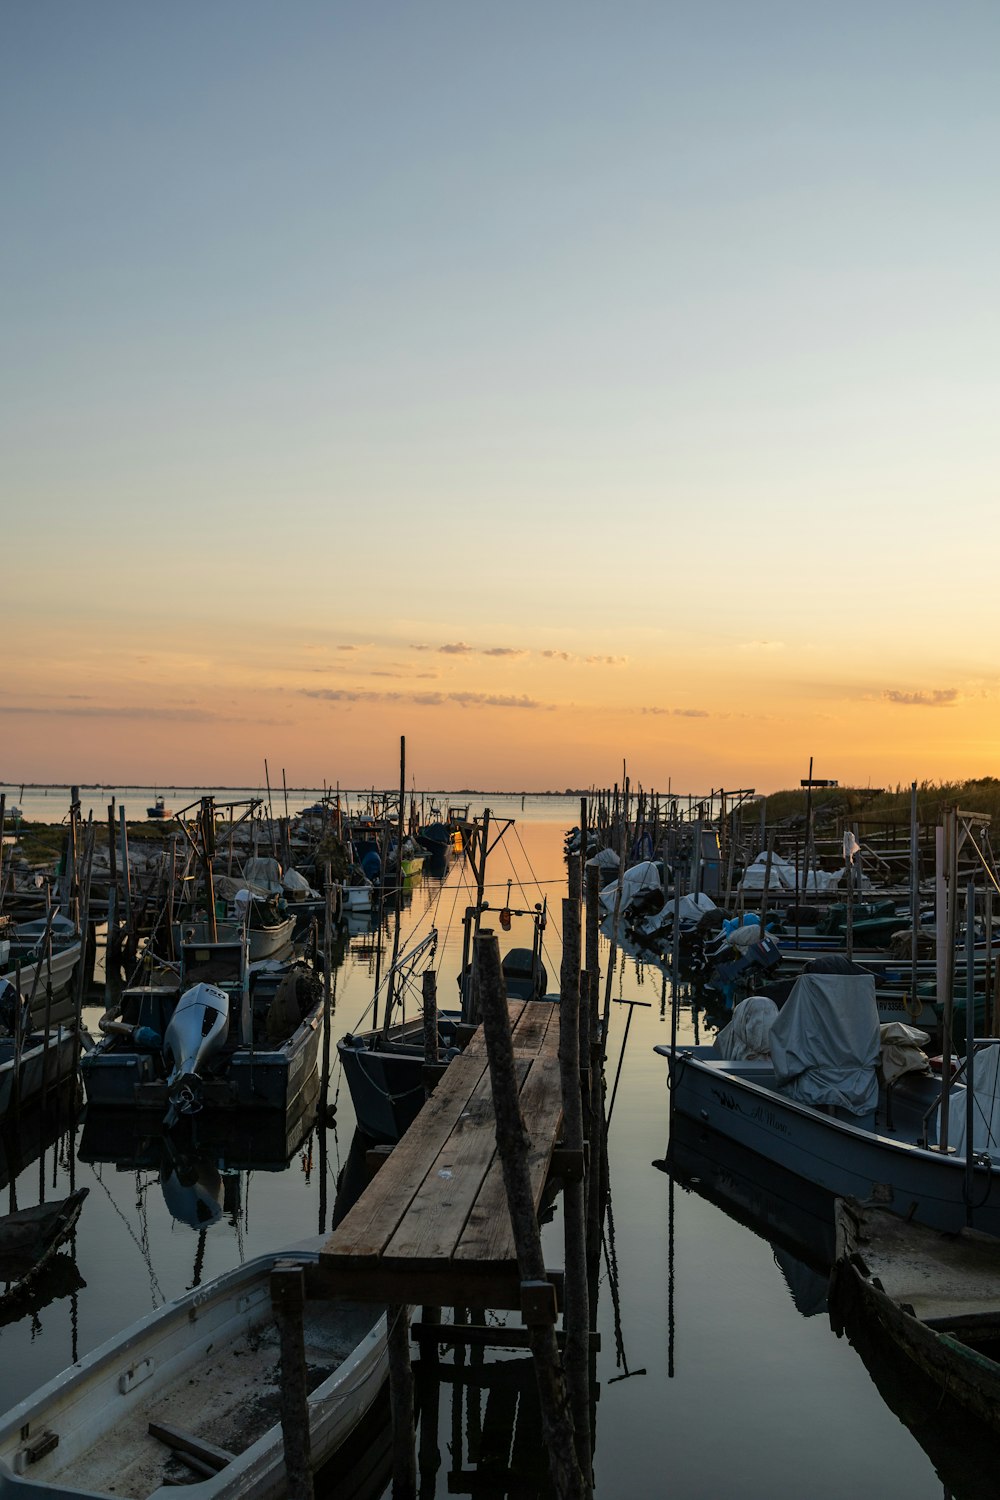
(297, 885)
(742, 938)
(263, 875)
(748, 1035)
(986, 1106)
(902, 1050)
(782, 874)
(604, 859)
(691, 909)
(811, 883)
(826, 1042)
(645, 876)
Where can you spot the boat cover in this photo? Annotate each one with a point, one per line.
(604, 859)
(748, 1035)
(825, 1042)
(902, 1050)
(986, 1106)
(645, 876)
(690, 911)
(814, 882)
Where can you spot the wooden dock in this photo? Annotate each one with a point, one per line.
(433, 1225)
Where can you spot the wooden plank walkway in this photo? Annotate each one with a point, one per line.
(433, 1226)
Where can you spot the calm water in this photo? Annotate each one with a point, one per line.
(741, 1393)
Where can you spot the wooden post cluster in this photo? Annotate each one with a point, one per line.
(537, 1293)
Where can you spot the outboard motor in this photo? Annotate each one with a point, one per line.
(195, 1034)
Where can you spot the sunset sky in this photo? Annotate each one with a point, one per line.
(551, 383)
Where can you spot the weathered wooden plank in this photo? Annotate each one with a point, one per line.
(477, 1043)
(208, 1454)
(371, 1223)
(529, 1034)
(487, 1237)
(437, 1215)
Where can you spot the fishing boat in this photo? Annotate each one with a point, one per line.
(32, 1062)
(934, 1297)
(192, 1393)
(385, 1069)
(45, 951)
(159, 810)
(813, 1099)
(30, 1237)
(229, 1035)
(269, 928)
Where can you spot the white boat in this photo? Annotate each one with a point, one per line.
(26, 947)
(205, 1371)
(264, 941)
(817, 1105)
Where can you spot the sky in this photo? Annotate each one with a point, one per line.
(557, 385)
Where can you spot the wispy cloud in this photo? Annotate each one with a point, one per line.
(456, 648)
(433, 697)
(761, 646)
(679, 713)
(559, 655)
(605, 661)
(935, 698)
(96, 711)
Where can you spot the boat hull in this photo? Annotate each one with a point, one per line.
(386, 1082)
(734, 1100)
(99, 1409)
(41, 1067)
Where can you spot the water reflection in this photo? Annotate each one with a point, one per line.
(797, 1220)
(200, 1164)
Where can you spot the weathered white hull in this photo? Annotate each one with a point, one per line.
(201, 1363)
(738, 1100)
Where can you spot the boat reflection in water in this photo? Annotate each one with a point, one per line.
(797, 1220)
(200, 1160)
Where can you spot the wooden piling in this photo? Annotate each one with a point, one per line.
(595, 1112)
(288, 1301)
(428, 989)
(404, 1455)
(537, 1294)
(576, 1356)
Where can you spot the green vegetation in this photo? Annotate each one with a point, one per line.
(889, 805)
(42, 844)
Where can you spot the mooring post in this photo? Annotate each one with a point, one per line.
(595, 1112)
(112, 941)
(538, 1301)
(576, 1355)
(429, 1454)
(288, 1296)
(428, 990)
(404, 1453)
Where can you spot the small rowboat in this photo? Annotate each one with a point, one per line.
(192, 1393)
(30, 1237)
